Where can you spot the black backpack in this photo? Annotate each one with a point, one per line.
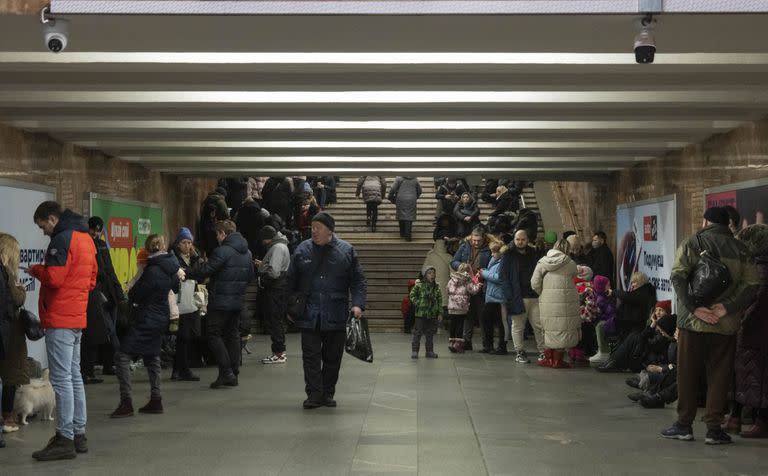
(709, 279)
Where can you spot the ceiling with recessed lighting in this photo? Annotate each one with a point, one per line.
(541, 97)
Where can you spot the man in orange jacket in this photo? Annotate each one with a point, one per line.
(67, 276)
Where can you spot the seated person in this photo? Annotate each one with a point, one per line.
(646, 347)
(658, 383)
(446, 230)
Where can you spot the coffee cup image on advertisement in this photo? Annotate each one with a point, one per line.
(628, 262)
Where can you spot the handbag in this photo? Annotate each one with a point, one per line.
(185, 300)
(709, 279)
(297, 300)
(32, 328)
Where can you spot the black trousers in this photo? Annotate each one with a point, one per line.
(457, 325)
(322, 352)
(492, 320)
(372, 213)
(405, 229)
(188, 330)
(624, 355)
(9, 395)
(223, 329)
(275, 299)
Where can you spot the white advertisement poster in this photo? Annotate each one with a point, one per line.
(646, 234)
(19, 203)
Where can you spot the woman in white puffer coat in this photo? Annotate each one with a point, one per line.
(558, 303)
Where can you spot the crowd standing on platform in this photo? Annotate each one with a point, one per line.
(187, 300)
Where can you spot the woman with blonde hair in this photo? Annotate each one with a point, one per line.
(558, 303)
(637, 305)
(150, 306)
(13, 345)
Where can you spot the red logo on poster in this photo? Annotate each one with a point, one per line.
(120, 232)
(650, 228)
(721, 199)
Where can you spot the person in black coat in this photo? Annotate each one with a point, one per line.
(189, 323)
(102, 304)
(636, 306)
(213, 209)
(237, 191)
(149, 299)
(646, 347)
(230, 269)
(277, 195)
(448, 195)
(600, 258)
(249, 220)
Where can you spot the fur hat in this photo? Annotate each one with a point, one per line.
(326, 219)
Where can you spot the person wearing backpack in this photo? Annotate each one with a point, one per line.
(708, 324)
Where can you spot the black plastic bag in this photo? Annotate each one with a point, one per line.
(709, 279)
(359, 339)
(32, 328)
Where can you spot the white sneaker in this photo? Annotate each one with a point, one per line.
(274, 359)
(600, 358)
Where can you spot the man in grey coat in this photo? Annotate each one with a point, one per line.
(273, 279)
(328, 271)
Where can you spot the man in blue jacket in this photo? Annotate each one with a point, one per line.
(230, 269)
(328, 271)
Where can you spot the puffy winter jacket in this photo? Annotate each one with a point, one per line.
(464, 255)
(373, 188)
(230, 269)
(498, 289)
(460, 289)
(558, 300)
(426, 299)
(150, 293)
(68, 275)
(330, 273)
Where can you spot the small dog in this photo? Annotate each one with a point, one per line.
(35, 398)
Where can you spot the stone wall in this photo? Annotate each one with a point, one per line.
(73, 171)
(736, 156)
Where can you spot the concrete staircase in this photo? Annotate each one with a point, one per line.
(388, 261)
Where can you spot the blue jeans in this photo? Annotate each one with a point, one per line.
(63, 349)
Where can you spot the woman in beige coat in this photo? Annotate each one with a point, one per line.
(558, 303)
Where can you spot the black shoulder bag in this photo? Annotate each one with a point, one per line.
(709, 279)
(297, 300)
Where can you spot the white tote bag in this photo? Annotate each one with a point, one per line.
(186, 297)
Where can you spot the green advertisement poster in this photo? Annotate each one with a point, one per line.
(127, 224)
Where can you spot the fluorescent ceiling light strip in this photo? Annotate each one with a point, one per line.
(379, 7)
(374, 58)
(386, 97)
(379, 160)
(374, 125)
(431, 170)
(346, 144)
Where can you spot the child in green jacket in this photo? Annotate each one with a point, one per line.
(428, 304)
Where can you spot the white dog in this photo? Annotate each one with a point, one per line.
(35, 398)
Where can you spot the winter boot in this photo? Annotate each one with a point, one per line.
(155, 405)
(452, 345)
(578, 357)
(430, 347)
(125, 409)
(459, 344)
(225, 380)
(58, 447)
(9, 423)
(557, 360)
(547, 362)
(759, 430)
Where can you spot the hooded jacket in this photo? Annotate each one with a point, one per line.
(372, 187)
(68, 275)
(465, 254)
(277, 260)
(558, 300)
(739, 295)
(460, 288)
(150, 293)
(404, 194)
(230, 269)
(426, 298)
(498, 289)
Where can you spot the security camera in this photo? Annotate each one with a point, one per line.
(645, 42)
(56, 34)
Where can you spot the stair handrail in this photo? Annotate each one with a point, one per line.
(570, 212)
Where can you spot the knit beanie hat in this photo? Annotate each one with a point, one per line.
(96, 223)
(717, 215)
(184, 234)
(584, 272)
(600, 283)
(306, 188)
(267, 233)
(666, 305)
(550, 237)
(326, 219)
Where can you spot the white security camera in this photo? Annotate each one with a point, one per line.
(645, 42)
(56, 34)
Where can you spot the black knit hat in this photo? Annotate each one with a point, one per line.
(96, 223)
(326, 219)
(717, 215)
(267, 233)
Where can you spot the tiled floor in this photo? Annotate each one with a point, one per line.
(467, 415)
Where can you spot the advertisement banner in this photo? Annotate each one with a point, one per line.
(126, 226)
(646, 234)
(750, 199)
(20, 200)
